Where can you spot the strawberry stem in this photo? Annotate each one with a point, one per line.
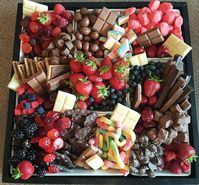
(154, 78)
(79, 56)
(104, 69)
(91, 63)
(191, 159)
(121, 69)
(103, 91)
(16, 173)
(43, 18)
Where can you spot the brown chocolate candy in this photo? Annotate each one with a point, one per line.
(163, 134)
(157, 115)
(165, 121)
(85, 30)
(78, 35)
(93, 19)
(88, 53)
(172, 133)
(87, 38)
(94, 35)
(94, 47)
(99, 54)
(55, 60)
(77, 16)
(85, 46)
(85, 22)
(183, 137)
(78, 44)
(152, 133)
(84, 11)
(185, 105)
(59, 43)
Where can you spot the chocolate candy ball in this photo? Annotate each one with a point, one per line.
(85, 46)
(85, 21)
(85, 30)
(84, 11)
(77, 16)
(94, 47)
(99, 54)
(95, 11)
(78, 44)
(88, 53)
(152, 133)
(78, 35)
(94, 35)
(93, 19)
(87, 38)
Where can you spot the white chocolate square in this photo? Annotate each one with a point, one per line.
(117, 117)
(58, 107)
(134, 60)
(66, 107)
(95, 162)
(143, 59)
(70, 99)
(129, 123)
(133, 115)
(41, 8)
(121, 109)
(27, 12)
(61, 96)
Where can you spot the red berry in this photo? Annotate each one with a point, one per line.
(62, 22)
(149, 125)
(151, 51)
(44, 142)
(162, 52)
(37, 50)
(50, 149)
(33, 27)
(53, 169)
(165, 7)
(58, 143)
(175, 167)
(138, 50)
(144, 99)
(53, 134)
(34, 16)
(56, 31)
(59, 9)
(152, 100)
(26, 48)
(147, 115)
(169, 155)
(67, 15)
(139, 129)
(62, 124)
(185, 166)
(49, 158)
(82, 105)
(24, 37)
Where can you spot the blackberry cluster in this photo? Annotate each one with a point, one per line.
(110, 102)
(40, 169)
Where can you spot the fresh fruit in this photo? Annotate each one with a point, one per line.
(75, 77)
(106, 61)
(99, 92)
(53, 133)
(24, 37)
(185, 166)
(34, 16)
(152, 100)
(165, 7)
(105, 72)
(24, 170)
(45, 18)
(175, 167)
(147, 115)
(89, 67)
(56, 31)
(49, 158)
(26, 47)
(76, 62)
(67, 15)
(151, 51)
(33, 26)
(117, 84)
(138, 50)
(62, 124)
(53, 169)
(144, 99)
(120, 69)
(59, 9)
(95, 78)
(44, 142)
(169, 155)
(151, 86)
(83, 87)
(162, 52)
(82, 105)
(58, 143)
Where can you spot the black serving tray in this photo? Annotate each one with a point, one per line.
(193, 127)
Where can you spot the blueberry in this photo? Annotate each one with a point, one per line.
(142, 68)
(131, 77)
(91, 99)
(152, 62)
(112, 90)
(148, 72)
(119, 99)
(113, 96)
(135, 73)
(104, 103)
(152, 67)
(112, 102)
(157, 72)
(126, 90)
(133, 83)
(119, 93)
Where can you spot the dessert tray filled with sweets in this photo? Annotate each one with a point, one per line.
(102, 93)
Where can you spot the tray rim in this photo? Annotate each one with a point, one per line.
(192, 179)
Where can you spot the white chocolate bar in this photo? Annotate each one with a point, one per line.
(95, 162)
(139, 60)
(14, 83)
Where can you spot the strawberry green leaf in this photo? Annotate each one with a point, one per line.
(191, 159)
(104, 69)
(80, 97)
(16, 173)
(121, 69)
(103, 91)
(79, 56)
(154, 78)
(91, 63)
(43, 18)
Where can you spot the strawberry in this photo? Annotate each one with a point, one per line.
(56, 31)
(106, 61)
(75, 77)
(83, 87)
(89, 67)
(35, 16)
(59, 9)
(53, 169)
(151, 86)
(120, 69)
(99, 92)
(185, 166)
(169, 155)
(76, 62)
(175, 167)
(152, 100)
(24, 170)
(95, 78)
(117, 84)
(44, 142)
(81, 97)
(185, 152)
(105, 72)
(82, 105)
(45, 18)
(49, 158)
(147, 115)
(144, 99)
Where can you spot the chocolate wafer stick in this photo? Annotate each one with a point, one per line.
(27, 67)
(167, 68)
(186, 91)
(172, 100)
(34, 84)
(32, 67)
(22, 73)
(14, 64)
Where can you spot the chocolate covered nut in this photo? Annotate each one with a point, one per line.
(85, 30)
(95, 11)
(87, 38)
(78, 35)
(77, 16)
(93, 19)
(165, 121)
(163, 134)
(59, 43)
(88, 53)
(85, 21)
(85, 46)
(69, 28)
(152, 133)
(94, 35)
(55, 52)
(94, 47)
(185, 119)
(105, 28)
(84, 11)
(183, 137)
(176, 109)
(172, 133)
(78, 44)
(180, 128)
(157, 115)
(185, 105)
(99, 54)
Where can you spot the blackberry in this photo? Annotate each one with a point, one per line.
(26, 144)
(113, 96)
(30, 128)
(18, 134)
(40, 169)
(14, 160)
(21, 153)
(119, 93)
(31, 155)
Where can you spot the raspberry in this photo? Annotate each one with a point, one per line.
(139, 128)
(154, 5)
(143, 29)
(37, 50)
(26, 48)
(162, 52)
(133, 24)
(62, 124)
(164, 28)
(33, 27)
(150, 26)
(44, 142)
(82, 105)
(152, 100)
(50, 149)
(53, 134)
(151, 51)
(135, 42)
(53, 169)
(34, 16)
(185, 166)
(133, 16)
(155, 16)
(138, 50)
(149, 125)
(144, 100)
(178, 22)
(130, 11)
(169, 155)
(166, 7)
(62, 22)
(24, 37)
(143, 18)
(67, 15)
(175, 167)
(147, 115)
(144, 10)
(169, 18)
(56, 31)
(59, 9)
(49, 158)
(177, 31)
(58, 143)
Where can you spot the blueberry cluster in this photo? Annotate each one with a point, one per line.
(110, 102)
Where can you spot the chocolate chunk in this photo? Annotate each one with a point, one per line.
(69, 28)
(168, 141)
(157, 115)
(55, 52)
(176, 111)
(185, 119)
(55, 60)
(66, 37)
(65, 52)
(183, 137)
(172, 133)
(98, 25)
(180, 128)
(185, 105)
(112, 18)
(158, 141)
(104, 13)
(45, 53)
(163, 134)
(165, 121)
(35, 85)
(51, 46)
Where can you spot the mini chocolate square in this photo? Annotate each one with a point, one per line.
(98, 24)
(112, 18)
(157, 40)
(105, 28)
(146, 43)
(154, 33)
(104, 13)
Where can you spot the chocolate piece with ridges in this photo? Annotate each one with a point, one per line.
(104, 13)
(157, 115)
(137, 96)
(34, 84)
(112, 18)
(27, 67)
(165, 121)
(14, 64)
(56, 70)
(98, 25)
(22, 73)
(185, 105)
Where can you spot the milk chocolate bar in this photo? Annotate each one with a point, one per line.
(56, 70)
(35, 85)
(150, 37)
(186, 91)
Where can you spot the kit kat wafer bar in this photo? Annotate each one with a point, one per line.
(33, 66)
(35, 85)
(16, 71)
(22, 72)
(27, 67)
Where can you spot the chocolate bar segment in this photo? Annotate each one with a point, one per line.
(56, 70)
